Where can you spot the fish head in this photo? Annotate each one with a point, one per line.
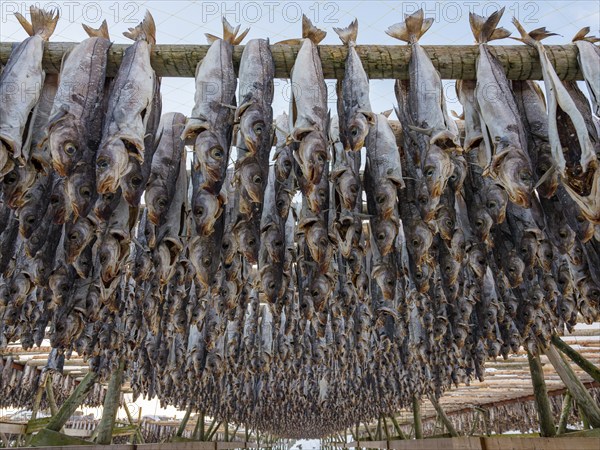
(30, 216)
(320, 290)
(477, 261)
(77, 236)
(420, 240)
(283, 201)
(421, 276)
(445, 222)
(251, 178)
(253, 126)
(307, 308)
(157, 202)
(513, 172)
(112, 163)
(482, 225)
(529, 245)
(457, 179)
(284, 162)
(58, 207)
(81, 190)
(437, 169)
(212, 156)
(271, 282)
(17, 184)
(545, 163)
(386, 280)
(206, 209)
(248, 240)
(84, 264)
(133, 182)
(348, 186)
(515, 267)
(590, 290)
(384, 232)
(318, 198)
(450, 269)
(317, 239)
(65, 144)
(496, 200)
(273, 240)
(358, 128)
(545, 254)
(385, 194)
(426, 203)
(313, 156)
(229, 250)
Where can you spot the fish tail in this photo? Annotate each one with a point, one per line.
(42, 23)
(485, 29)
(97, 32)
(230, 34)
(348, 35)
(413, 27)
(145, 31)
(533, 36)
(582, 36)
(311, 32)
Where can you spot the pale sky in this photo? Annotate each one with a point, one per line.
(180, 22)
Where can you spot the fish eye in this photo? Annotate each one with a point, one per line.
(54, 199)
(216, 152)
(73, 236)
(429, 171)
(563, 233)
(272, 285)
(103, 259)
(525, 176)
(102, 163)
(70, 148)
(206, 262)
(10, 178)
(381, 236)
(416, 242)
(453, 177)
(423, 200)
(580, 218)
(353, 188)
(491, 204)
(30, 219)
(479, 223)
(199, 211)
(251, 241)
(85, 191)
(380, 198)
(258, 128)
(449, 223)
(109, 197)
(278, 243)
(161, 202)
(136, 181)
(354, 131)
(280, 203)
(257, 179)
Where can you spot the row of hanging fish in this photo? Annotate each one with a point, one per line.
(296, 317)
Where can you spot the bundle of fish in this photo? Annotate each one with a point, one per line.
(266, 294)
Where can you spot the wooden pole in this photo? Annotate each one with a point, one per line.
(578, 359)
(111, 405)
(454, 62)
(385, 429)
(542, 402)
(72, 403)
(443, 417)
(584, 400)
(416, 406)
(184, 421)
(50, 396)
(138, 433)
(564, 413)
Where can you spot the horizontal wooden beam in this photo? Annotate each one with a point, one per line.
(454, 62)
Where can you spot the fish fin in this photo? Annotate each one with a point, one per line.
(387, 113)
(458, 116)
(240, 110)
(43, 23)
(309, 31)
(298, 134)
(25, 23)
(145, 31)
(473, 142)
(348, 35)
(97, 32)
(370, 116)
(413, 27)
(484, 29)
(582, 36)
(533, 36)
(230, 33)
(427, 131)
(444, 139)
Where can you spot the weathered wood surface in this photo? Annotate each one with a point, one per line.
(544, 409)
(380, 61)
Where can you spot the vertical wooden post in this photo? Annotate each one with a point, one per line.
(184, 421)
(564, 413)
(111, 405)
(378, 430)
(417, 418)
(584, 400)
(443, 417)
(542, 402)
(138, 433)
(72, 403)
(50, 396)
(578, 359)
(226, 435)
(385, 429)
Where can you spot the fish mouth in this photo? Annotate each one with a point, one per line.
(251, 144)
(108, 185)
(153, 216)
